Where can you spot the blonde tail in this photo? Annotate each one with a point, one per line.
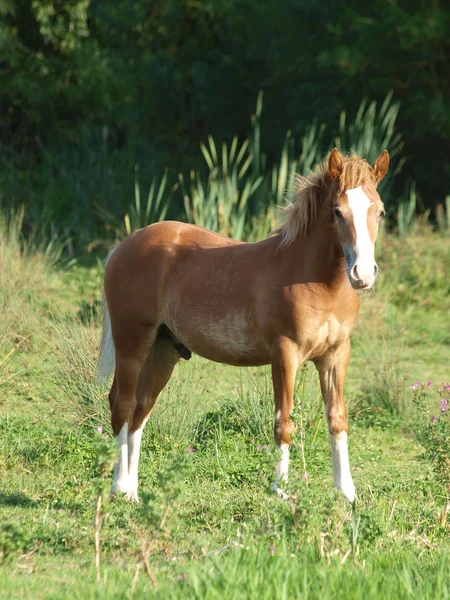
(107, 359)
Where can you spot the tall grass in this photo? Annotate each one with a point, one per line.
(415, 270)
(23, 262)
(443, 216)
(25, 276)
(75, 362)
(381, 391)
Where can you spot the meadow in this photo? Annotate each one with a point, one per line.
(208, 525)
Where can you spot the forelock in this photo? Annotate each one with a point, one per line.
(356, 172)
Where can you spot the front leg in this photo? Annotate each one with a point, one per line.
(284, 368)
(332, 369)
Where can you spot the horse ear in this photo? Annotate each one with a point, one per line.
(335, 164)
(381, 166)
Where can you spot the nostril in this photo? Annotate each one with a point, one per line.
(375, 270)
(355, 273)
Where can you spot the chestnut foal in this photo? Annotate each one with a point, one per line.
(171, 288)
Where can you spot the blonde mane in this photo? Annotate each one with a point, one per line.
(310, 192)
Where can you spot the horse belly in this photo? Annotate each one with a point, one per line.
(230, 338)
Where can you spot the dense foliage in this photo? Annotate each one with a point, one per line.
(89, 88)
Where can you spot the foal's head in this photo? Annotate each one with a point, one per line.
(358, 210)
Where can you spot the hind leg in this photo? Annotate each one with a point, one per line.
(131, 354)
(120, 477)
(155, 374)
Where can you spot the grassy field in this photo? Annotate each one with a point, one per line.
(208, 524)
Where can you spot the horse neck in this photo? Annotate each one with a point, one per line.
(323, 249)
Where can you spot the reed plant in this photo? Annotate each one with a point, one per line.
(235, 188)
(238, 192)
(221, 202)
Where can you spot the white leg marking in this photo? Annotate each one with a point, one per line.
(134, 448)
(281, 471)
(283, 465)
(341, 467)
(121, 481)
(359, 203)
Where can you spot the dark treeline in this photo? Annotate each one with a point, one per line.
(120, 82)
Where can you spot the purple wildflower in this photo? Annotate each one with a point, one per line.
(446, 388)
(180, 577)
(100, 429)
(191, 450)
(259, 447)
(433, 419)
(430, 383)
(414, 386)
(444, 405)
(305, 476)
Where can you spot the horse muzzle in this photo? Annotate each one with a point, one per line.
(362, 279)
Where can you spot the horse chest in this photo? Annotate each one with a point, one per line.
(328, 334)
(322, 321)
(332, 332)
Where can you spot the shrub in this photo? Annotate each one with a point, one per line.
(433, 433)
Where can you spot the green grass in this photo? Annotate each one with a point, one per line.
(226, 535)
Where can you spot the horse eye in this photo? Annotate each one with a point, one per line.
(381, 214)
(337, 212)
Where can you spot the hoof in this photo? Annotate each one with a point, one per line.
(280, 492)
(123, 489)
(132, 496)
(348, 489)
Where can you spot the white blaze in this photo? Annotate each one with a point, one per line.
(359, 203)
(341, 466)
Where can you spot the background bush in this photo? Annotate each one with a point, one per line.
(89, 89)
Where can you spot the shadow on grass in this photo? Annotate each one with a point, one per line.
(17, 500)
(20, 500)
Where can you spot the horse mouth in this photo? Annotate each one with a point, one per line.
(357, 284)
